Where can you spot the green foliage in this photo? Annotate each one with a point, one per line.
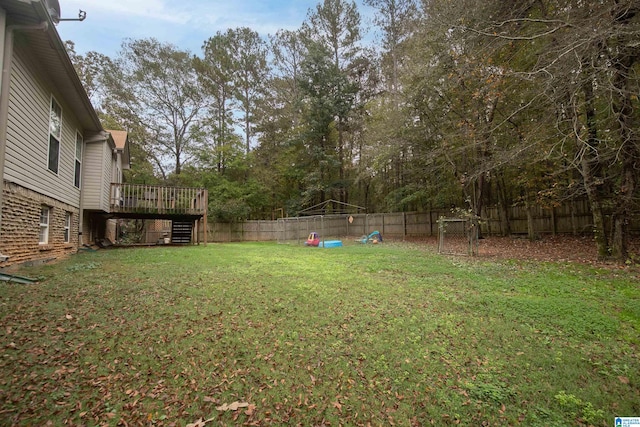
(231, 202)
(578, 408)
(488, 389)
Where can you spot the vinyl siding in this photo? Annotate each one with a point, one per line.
(107, 167)
(28, 135)
(96, 173)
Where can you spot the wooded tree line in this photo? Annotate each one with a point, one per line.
(466, 103)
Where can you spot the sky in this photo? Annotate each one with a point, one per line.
(184, 23)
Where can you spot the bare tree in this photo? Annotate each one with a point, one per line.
(155, 85)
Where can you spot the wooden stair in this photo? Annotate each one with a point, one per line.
(181, 232)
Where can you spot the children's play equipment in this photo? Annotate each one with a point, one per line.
(374, 238)
(313, 239)
(330, 244)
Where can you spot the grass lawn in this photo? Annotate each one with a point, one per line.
(260, 333)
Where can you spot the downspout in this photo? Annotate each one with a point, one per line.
(81, 201)
(4, 98)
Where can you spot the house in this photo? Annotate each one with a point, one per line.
(46, 119)
(104, 161)
(61, 171)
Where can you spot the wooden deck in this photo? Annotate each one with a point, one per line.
(158, 201)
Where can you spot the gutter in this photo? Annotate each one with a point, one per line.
(4, 99)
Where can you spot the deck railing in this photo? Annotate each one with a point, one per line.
(152, 199)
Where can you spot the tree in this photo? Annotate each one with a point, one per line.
(333, 29)
(322, 86)
(274, 162)
(386, 132)
(397, 19)
(250, 71)
(154, 84)
(216, 73)
(90, 68)
(580, 58)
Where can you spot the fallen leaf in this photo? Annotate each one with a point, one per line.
(68, 317)
(250, 410)
(623, 380)
(199, 423)
(232, 406)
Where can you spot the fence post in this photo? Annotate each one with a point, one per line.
(366, 224)
(404, 225)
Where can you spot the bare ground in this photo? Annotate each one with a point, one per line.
(559, 248)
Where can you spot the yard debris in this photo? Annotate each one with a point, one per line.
(200, 423)
(232, 406)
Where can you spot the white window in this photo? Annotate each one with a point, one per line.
(44, 224)
(67, 227)
(55, 135)
(76, 179)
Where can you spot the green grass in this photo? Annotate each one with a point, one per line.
(348, 336)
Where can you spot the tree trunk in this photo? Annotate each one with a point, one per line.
(591, 171)
(630, 149)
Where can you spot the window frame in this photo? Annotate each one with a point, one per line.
(54, 140)
(43, 236)
(67, 227)
(77, 172)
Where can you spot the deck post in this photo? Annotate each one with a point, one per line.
(204, 218)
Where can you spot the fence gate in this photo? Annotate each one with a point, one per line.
(458, 236)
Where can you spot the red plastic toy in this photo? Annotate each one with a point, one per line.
(313, 239)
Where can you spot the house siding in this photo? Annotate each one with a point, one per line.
(28, 136)
(107, 176)
(93, 174)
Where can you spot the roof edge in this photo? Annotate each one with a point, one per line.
(58, 46)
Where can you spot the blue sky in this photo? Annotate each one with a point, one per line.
(184, 23)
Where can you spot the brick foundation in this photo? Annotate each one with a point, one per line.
(20, 234)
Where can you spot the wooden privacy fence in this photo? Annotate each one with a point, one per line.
(572, 218)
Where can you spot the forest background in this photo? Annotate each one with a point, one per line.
(464, 104)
